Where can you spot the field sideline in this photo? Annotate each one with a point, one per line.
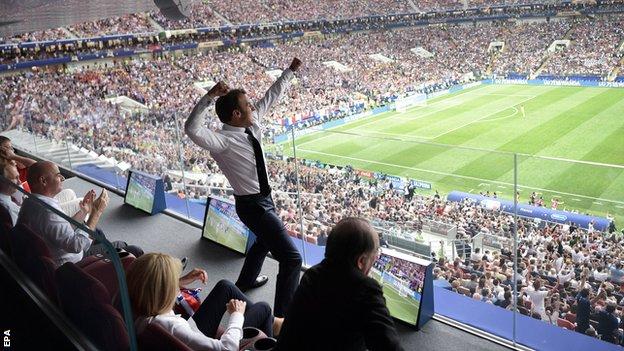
(465, 141)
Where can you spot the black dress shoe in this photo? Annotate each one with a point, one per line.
(184, 261)
(260, 281)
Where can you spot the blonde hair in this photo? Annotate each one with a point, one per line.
(153, 283)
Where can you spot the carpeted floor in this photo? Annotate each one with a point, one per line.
(162, 233)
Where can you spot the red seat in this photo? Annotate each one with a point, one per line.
(566, 324)
(156, 338)
(571, 317)
(102, 269)
(86, 303)
(32, 257)
(6, 224)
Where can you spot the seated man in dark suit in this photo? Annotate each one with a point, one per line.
(337, 306)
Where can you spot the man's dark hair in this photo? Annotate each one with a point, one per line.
(227, 103)
(3, 139)
(349, 239)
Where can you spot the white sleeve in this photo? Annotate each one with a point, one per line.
(196, 340)
(198, 133)
(273, 94)
(61, 233)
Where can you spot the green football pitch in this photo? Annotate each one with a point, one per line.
(400, 307)
(569, 144)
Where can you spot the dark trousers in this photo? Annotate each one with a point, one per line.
(99, 248)
(209, 314)
(258, 214)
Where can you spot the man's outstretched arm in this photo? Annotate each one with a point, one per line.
(195, 124)
(277, 89)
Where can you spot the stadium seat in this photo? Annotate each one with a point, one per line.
(571, 317)
(6, 224)
(566, 324)
(155, 337)
(86, 303)
(32, 257)
(102, 269)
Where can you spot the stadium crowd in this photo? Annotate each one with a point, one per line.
(563, 258)
(593, 49)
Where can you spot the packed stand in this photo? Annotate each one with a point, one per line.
(132, 23)
(526, 46)
(592, 51)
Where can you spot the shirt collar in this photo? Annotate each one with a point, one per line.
(5, 197)
(48, 200)
(230, 128)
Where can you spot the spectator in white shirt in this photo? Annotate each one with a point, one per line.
(599, 275)
(10, 176)
(153, 284)
(65, 242)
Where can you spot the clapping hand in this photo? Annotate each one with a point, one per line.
(101, 202)
(236, 306)
(86, 205)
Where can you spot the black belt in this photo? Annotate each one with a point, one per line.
(252, 197)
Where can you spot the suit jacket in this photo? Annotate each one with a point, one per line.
(338, 308)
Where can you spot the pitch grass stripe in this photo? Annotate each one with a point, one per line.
(453, 159)
(593, 129)
(389, 149)
(488, 167)
(484, 117)
(382, 117)
(563, 123)
(428, 118)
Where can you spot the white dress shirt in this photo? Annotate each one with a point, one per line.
(10, 206)
(193, 338)
(230, 147)
(66, 244)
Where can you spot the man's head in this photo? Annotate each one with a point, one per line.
(9, 174)
(235, 109)
(5, 142)
(44, 178)
(353, 242)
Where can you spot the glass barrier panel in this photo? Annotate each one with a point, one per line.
(287, 175)
(434, 201)
(570, 240)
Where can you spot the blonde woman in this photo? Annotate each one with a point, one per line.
(153, 284)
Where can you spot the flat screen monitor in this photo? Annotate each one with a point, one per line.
(403, 278)
(222, 225)
(140, 191)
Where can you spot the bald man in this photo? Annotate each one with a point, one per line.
(336, 298)
(66, 243)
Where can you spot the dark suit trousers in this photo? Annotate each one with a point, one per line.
(208, 316)
(258, 214)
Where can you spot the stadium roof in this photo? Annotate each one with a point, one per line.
(21, 16)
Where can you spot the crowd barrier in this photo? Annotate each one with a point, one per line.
(542, 213)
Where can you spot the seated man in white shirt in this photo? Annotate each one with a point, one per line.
(9, 174)
(66, 243)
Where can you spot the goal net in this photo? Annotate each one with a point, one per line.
(407, 102)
